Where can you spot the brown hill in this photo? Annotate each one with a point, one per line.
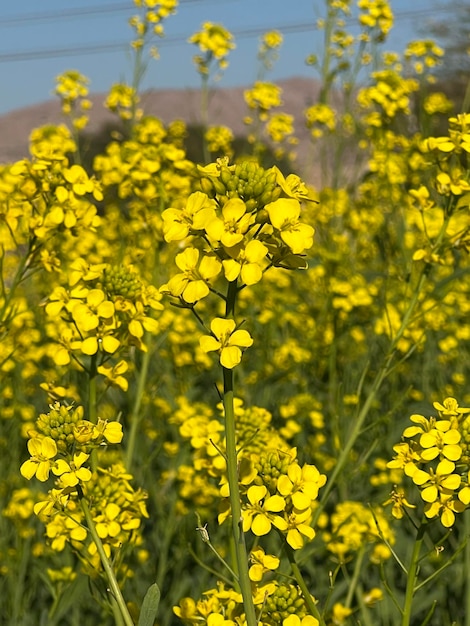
(226, 106)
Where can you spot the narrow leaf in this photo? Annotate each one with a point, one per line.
(148, 611)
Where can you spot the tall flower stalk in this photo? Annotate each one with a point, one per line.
(237, 237)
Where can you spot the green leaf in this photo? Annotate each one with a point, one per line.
(149, 608)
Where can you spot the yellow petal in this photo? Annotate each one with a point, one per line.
(230, 357)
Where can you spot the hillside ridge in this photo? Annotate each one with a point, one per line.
(226, 106)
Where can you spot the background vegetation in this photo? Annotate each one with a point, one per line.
(114, 440)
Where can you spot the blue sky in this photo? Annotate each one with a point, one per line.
(38, 39)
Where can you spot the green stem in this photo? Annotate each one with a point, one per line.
(355, 579)
(17, 279)
(237, 520)
(92, 406)
(135, 415)
(325, 74)
(377, 383)
(412, 574)
(380, 376)
(312, 607)
(110, 575)
(467, 566)
(232, 476)
(20, 579)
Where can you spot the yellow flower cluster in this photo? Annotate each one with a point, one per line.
(149, 22)
(268, 50)
(355, 527)
(280, 128)
(123, 100)
(219, 140)
(215, 42)
(376, 15)
(245, 221)
(64, 432)
(72, 89)
(47, 197)
(278, 605)
(435, 457)
(390, 94)
(102, 309)
(320, 118)
(263, 97)
(426, 54)
(145, 171)
(116, 508)
(82, 247)
(204, 430)
(283, 500)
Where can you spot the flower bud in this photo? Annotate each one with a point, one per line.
(207, 187)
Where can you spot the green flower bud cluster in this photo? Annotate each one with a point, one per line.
(270, 466)
(253, 429)
(121, 281)
(59, 424)
(113, 485)
(246, 180)
(286, 600)
(465, 441)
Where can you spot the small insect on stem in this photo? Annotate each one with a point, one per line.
(203, 532)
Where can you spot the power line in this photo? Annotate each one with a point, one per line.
(29, 55)
(80, 12)
(248, 33)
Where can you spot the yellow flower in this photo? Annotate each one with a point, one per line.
(272, 39)
(295, 620)
(227, 341)
(140, 322)
(56, 500)
(450, 408)
(260, 516)
(80, 182)
(106, 524)
(215, 42)
(103, 340)
(440, 480)
(42, 451)
(111, 431)
(235, 221)
(284, 215)
(441, 440)
(87, 315)
(340, 613)
(263, 97)
(213, 38)
(60, 351)
(193, 283)
(298, 528)
(246, 262)
(301, 484)
(177, 223)
(446, 506)
(425, 425)
(373, 596)
(114, 374)
(399, 502)
(261, 563)
(72, 473)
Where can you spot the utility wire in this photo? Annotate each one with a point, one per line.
(80, 12)
(48, 53)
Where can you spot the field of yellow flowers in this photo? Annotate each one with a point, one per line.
(229, 398)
